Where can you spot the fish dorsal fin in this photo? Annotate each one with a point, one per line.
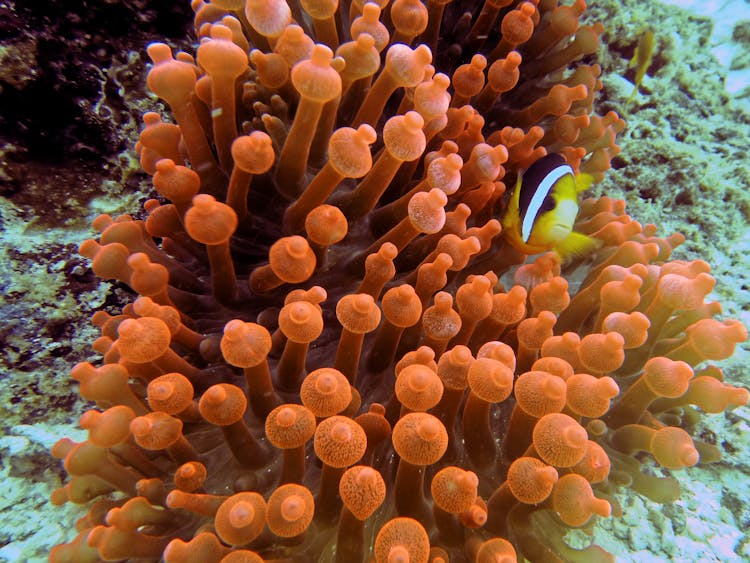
(583, 182)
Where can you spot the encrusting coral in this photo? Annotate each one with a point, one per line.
(323, 363)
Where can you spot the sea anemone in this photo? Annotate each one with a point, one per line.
(335, 353)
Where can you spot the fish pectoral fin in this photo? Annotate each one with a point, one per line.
(577, 245)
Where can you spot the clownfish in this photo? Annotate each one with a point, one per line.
(543, 208)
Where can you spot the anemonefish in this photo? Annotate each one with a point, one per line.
(543, 208)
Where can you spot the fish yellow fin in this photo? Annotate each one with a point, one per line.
(576, 245)
(583, 182)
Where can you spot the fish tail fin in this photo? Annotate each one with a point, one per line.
(576, 245)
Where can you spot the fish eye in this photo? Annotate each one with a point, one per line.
(547, 205)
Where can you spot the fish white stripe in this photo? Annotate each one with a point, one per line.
(542, 190)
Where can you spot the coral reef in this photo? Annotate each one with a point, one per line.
(241, 313)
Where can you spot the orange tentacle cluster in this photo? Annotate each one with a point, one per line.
(323, 321)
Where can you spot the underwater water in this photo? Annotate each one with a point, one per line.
(683, 166)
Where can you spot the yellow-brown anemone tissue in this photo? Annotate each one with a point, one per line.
(334, 354)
